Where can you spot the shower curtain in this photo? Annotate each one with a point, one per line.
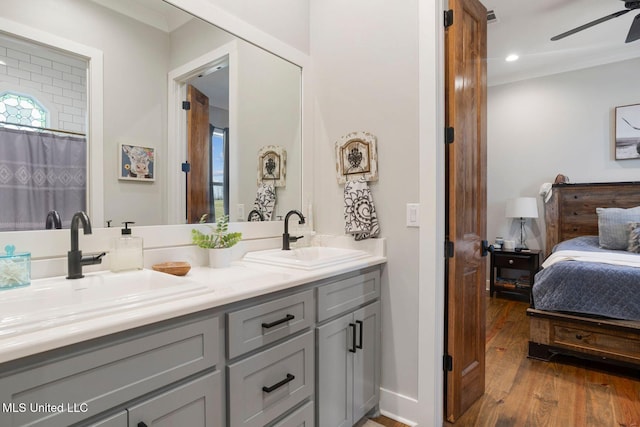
(40, 172)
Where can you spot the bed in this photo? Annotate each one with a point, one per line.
(601, 320)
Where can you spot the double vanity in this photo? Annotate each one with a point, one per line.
(278, 339)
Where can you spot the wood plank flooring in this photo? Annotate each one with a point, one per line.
(566, 392)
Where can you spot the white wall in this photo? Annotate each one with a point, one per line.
(367, 80)
(563, 123)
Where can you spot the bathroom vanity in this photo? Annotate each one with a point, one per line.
(259, 346)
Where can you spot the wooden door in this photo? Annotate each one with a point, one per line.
(198, 147)
(466, 157)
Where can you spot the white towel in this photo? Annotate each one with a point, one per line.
(546, 191)
(265, 200)
(359, 211)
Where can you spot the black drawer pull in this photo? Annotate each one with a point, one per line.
(353, 337)
(142, 424)
(359, 322)
(278, 385)
(278, 322)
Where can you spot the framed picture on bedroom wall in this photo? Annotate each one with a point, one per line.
(628, 132)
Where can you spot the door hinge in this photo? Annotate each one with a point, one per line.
(449, 135)
(447, 363)
(186, 105)
(448, 249)
(448, 18)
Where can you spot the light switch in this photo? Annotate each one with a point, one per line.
(413, 215)
(240, 212)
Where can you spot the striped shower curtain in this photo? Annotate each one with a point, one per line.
(40, 172)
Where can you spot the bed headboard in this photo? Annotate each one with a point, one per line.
(571, 211)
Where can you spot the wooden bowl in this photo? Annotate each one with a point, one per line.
(175, 268)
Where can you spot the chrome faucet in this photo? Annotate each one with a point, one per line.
(53, 220)
(255, 212)
(75, 260)
(286, 239)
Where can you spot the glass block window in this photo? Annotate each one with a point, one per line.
(22, 110)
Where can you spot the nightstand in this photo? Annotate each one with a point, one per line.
(512, 272)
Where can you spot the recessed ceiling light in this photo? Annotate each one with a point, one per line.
(512, 57)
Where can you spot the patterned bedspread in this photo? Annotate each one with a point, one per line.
(587, 287)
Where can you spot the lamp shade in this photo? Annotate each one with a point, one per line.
(522, 207)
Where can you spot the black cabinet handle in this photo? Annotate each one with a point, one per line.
(353, 337)
(278, 385)
(277, 322)
(142, 424)
(359, 322)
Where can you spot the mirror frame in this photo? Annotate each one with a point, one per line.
(45, 244)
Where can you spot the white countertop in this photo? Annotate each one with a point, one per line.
(59, 323)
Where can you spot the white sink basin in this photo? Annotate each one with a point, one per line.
(307, 258)
(58, 301)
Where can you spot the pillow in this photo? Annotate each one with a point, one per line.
(613, 229)
(634, 237)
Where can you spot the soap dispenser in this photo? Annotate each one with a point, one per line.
(126, 251)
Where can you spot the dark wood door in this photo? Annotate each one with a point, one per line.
(466, 219)
(198, 147)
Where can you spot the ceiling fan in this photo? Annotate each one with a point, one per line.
(634, 31)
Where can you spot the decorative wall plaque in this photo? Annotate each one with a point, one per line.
(357, 156)
(272, 163)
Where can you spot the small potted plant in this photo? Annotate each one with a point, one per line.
(219, 241)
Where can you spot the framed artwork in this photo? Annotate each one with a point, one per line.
(136, 163)
(356, 156)
(628, 132)
(272, 165)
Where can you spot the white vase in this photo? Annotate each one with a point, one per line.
(220, 258)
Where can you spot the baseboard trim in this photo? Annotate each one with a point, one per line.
(392, 404)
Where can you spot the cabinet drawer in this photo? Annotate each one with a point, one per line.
(106, 375)
(344, 295)
(514, 261)
(302, 417)
(197, 403)
(262, 324)
(265, 386)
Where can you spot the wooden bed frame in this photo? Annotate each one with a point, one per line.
(571, 212)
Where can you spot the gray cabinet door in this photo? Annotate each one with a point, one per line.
(366, 360)
(335, 372)
(194, 404)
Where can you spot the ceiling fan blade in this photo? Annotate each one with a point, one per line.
(590, 24)
(634, 31)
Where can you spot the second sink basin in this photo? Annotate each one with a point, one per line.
(307, 258)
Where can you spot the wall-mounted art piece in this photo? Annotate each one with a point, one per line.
(272, 165)
(356, 156)
(628, 132)
(136, 163)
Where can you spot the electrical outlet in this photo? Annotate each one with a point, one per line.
(413, 215)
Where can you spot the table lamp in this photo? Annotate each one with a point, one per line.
(523, 208)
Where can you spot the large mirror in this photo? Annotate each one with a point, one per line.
(140, 135)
